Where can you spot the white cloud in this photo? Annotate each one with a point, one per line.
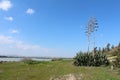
(14, 31)
(5, 5)
(30, 11)
(6, 39)
(9, 18)
(11, 46)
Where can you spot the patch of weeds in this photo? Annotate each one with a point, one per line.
(30, 61)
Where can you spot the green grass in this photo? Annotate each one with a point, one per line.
(46, 70)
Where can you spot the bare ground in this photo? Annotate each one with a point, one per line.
(69, 77)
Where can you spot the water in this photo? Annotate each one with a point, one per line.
(19, 59)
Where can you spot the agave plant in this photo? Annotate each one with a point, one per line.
(84, 59)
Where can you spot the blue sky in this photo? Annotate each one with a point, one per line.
(55, 28)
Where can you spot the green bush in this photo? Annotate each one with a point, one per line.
(84, 59)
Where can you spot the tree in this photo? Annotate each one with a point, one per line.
(112, 47)
(108, 47)
(103, 50)
(119, 45)
(95, 50)
(99, 50)
(90, 28)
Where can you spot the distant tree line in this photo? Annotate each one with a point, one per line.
(2, 56)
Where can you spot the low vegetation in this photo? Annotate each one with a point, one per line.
(113, 54)
(85, 59)
(104, 56)
(54, 69)
(29, 61)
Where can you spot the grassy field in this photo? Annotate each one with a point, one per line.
(46, 70)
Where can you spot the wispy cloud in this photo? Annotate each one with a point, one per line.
(30, 11)
(9, 18)
(18, 47)
(6, 39)
(14, 31)
(5, 5)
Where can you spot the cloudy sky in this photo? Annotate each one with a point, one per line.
(55, 28)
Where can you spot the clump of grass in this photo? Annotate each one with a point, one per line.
(57, 59)
(30, 61)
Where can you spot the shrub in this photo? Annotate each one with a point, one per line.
(117, 61)
(56, 59)
(115, 53)
(30, 61)
(85, 59)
